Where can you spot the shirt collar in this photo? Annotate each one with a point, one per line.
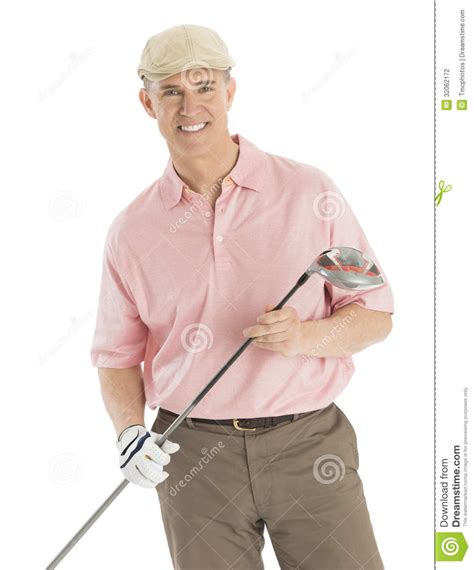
(248, 172)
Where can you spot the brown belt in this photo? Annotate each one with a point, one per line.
(246, 423)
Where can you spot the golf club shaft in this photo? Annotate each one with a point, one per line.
(226, 366)
(87, 525)
(168, 432)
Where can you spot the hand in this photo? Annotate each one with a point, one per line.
(141, 460)
(280, 331)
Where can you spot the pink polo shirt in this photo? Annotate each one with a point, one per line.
(181, 281)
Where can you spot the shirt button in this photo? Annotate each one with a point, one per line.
(207, 214)
(219, 238)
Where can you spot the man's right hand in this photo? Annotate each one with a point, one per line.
(141, 459)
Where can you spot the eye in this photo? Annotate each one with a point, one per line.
(170, 91)
(207, 87)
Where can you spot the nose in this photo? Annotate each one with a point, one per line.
(190, 104)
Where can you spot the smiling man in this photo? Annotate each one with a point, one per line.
(192, 267)
(191, 111)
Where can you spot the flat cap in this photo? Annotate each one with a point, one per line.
(180, 48)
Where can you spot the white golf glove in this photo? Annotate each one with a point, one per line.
(140, 459)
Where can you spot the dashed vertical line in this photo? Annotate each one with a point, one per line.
(434, 297)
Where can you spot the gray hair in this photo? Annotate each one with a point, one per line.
(148, 83)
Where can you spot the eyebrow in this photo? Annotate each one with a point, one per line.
(162, 87)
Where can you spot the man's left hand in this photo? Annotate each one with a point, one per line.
(280, 331)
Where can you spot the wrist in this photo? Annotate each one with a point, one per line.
(310, 337)
(119, 434)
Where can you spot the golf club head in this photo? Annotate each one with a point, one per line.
(347, 268)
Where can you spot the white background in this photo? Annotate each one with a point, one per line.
(78, 147)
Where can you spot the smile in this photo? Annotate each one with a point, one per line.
(192, 128)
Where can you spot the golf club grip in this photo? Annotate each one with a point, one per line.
(168, 432)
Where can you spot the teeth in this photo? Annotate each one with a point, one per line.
(193, 128)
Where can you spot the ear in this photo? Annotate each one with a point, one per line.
(146, 102)
(230, 92)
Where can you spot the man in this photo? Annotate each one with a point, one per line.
(192, 267)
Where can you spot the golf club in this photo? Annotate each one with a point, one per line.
(343, 267)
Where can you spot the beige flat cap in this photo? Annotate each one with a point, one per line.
(180, 48)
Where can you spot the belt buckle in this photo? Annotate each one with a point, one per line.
(236, 425)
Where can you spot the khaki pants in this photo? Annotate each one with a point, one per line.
(298, 478)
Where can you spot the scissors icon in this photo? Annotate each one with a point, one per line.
(442, 189)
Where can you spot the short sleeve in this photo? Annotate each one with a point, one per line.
(120, 335)
(345, 230)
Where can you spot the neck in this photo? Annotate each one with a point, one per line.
(204, 173)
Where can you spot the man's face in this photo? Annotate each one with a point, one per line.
(189, 99)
